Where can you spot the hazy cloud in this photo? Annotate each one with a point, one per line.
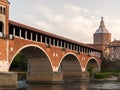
(76, 19)
(73, 27)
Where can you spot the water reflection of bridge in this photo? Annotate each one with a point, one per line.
(66, 86)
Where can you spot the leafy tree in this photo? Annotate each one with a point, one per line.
(19, 63)
(90, 70)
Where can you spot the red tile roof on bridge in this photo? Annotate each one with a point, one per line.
(50, 34)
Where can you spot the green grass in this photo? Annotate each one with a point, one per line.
(100, 75)
(106, 73)
(21, 88)
(111, 70)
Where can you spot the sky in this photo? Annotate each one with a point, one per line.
(74, 19)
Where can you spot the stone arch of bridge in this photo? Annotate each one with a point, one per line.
(93, 64)
(38, 59)
(70, 65)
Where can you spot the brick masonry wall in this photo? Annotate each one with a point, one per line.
(55, 54)
(108, 64)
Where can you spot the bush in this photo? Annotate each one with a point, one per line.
(111, 70)
(101, 75)
(90, 69)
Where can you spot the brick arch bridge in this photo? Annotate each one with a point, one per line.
(54, 54)
(50, 57)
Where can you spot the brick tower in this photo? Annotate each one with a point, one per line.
(4, 17)
(102, 37)
(4, 41)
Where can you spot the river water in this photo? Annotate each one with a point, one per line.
(71, 86)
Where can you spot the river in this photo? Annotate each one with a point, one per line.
(71, 86)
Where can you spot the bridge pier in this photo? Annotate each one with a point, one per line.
(56, 77)
(45, 77)
(8, 80)
(85, 76)
(76, 76)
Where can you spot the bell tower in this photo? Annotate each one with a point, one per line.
(102, 36)
(4, 18)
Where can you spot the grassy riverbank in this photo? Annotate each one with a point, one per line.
(107, 74)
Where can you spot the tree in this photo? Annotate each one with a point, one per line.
(19, 63)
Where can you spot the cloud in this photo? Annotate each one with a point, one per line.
(113, 25)
(72, 9)
(86, 10)
(98, 12)
(43, 25)
(75, 9)
(67, 19)
(72, 24)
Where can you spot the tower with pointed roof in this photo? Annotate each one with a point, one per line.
(102, 36)
(4, 17)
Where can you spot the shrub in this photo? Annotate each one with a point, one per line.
(90, 69)
(101, 75)
(111, 70)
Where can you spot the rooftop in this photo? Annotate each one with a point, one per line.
(102, 28)
(49, 34)
(115, 43)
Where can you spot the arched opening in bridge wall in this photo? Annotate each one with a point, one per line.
(93, 66)
(38, 63)
(71, 68)
(1, 28)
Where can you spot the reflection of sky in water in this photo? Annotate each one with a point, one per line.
(105, 86)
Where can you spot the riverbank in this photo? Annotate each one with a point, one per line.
(102, 77)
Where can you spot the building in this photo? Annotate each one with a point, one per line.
(102, 41)
(102, 36)
(4, 18)
(114, 48)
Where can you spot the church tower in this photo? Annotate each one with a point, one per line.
(4, 18)
(102, 36)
